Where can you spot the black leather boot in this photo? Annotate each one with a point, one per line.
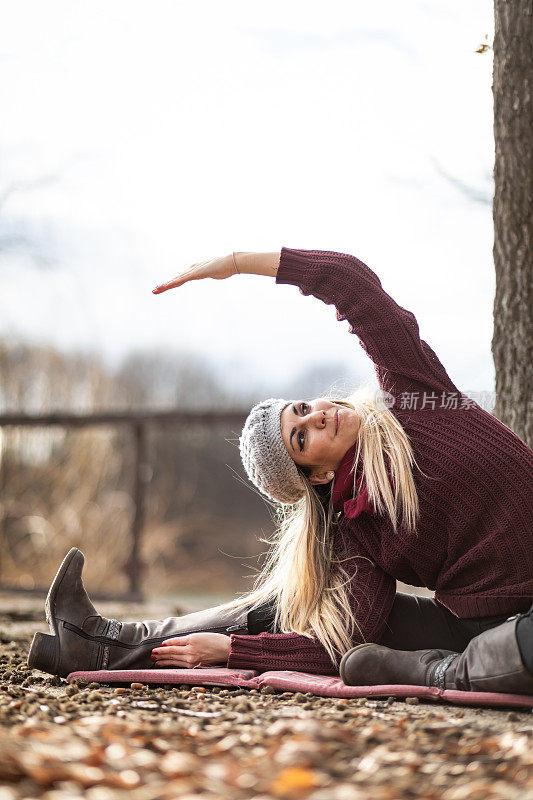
(490, 663)
(82, 639)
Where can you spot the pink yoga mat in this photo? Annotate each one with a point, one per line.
(321, 685)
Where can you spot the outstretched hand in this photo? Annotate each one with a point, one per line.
(186, 652)
(218, 268)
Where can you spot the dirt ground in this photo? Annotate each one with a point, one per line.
(59, 741)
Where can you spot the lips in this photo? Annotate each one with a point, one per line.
(336, 422)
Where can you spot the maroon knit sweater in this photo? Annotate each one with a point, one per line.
(474, 541)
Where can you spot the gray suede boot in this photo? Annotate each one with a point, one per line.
(81, 639)
(490, 663)
(375, 664)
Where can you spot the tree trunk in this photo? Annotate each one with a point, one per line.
(512, 343)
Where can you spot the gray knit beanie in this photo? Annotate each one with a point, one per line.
(265, 458)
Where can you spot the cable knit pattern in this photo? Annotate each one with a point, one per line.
(264, 456)
(474, 542)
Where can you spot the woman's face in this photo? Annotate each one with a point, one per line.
(318, 434)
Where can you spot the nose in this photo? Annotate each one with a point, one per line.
(317, 418)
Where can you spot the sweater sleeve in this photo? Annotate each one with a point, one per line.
(371, 592)
(388, 333)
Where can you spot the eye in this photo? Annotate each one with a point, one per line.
(301, 440)
(304, 408)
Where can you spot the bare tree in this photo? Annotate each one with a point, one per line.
(512, 343)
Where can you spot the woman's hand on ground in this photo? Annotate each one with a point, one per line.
(218, 268)
(187, 651)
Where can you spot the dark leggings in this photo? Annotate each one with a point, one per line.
(414, 623)
(420, 623)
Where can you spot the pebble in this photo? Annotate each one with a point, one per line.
(136, 685)
(412, 701)
(243, 706)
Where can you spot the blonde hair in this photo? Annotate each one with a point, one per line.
(302, 576)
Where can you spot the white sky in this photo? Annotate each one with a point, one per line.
(180, 131)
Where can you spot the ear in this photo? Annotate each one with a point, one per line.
(320, 477)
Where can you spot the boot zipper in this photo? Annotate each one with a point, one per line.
(117, 643)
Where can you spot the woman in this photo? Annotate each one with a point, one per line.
(419, 485)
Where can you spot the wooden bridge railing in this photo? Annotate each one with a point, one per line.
(138, 423)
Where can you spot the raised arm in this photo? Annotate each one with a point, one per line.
(388, 333)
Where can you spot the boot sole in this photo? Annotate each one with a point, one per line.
(44, 650)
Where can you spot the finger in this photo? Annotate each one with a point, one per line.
(176, 640)
(173, 284)
(174, 652)
(170, 652)
(179, 280)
